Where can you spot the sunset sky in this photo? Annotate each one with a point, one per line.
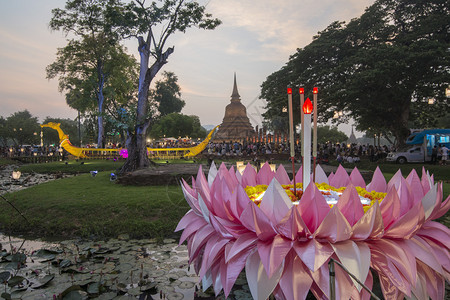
(256, 39)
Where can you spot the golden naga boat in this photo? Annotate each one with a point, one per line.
(156, 153)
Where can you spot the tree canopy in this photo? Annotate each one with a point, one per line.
(379, 69)
(177, 125)
(167, 94)
(93, 69)
(21, 128)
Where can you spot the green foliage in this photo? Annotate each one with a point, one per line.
(94, 71)
(21, 128)
(167, 94)
(330, 134)
(380, 69)
(178, 125)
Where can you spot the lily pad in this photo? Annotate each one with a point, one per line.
(42, 281)
(4, 276)
(45, 254)
(93, 288)
(73, 295)
(16, 280)
(6, 296)
(65, 263)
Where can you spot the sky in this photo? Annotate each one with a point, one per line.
(255, 39)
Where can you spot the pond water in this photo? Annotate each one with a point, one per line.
(113, 269)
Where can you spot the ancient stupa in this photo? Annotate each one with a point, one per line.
(235, 126)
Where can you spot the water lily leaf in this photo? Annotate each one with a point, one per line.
(19, 258)
(73, 288)
(73, 295)
(65, 263)
(4, 276)
(42, 281)
(15, 280)
(93, 288)
(6, 296)
(45, 254)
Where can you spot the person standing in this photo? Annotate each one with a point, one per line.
(444, 152)
(434, 153)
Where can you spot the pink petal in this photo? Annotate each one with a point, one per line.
(265, 175)
(390, 207)
(299, 175)
(282, 176)
(313, 207)
(356, 178)
(272, 253)
(340, 178)
(415, 185)
(334, 227)
(275, 203)
(296, 280)
(370, 225)
(249, 176)
(378, 182)
(355, 257)
(233, 269)
(239, 201)
(260, 285)
(321, 177)
(245, 241)
(313, 254)
(406, 225)
(350, 205)
(292, 226)
(255, 220)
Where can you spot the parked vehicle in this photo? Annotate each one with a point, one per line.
(419, 146)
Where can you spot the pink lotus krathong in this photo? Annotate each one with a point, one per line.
(285, 247)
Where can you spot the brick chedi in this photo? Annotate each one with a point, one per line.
(235, 126)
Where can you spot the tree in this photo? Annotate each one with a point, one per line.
(167, 94)
(177, 125)
(4, 135)
(380, 69)
(94, 69)
(330, 134)
(23, 128)
(143, 22)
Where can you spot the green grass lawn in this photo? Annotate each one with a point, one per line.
(84, 205)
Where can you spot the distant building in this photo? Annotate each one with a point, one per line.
(236, 125)
(352, 138)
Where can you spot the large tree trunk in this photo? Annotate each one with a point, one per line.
(401, 131)
(100, 101)
(136, 142)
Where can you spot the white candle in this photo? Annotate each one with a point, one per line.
(306, 146)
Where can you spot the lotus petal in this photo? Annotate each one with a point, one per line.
(340, 178)
(321, 177)
(356, 178)
(261, 286)
(378, 182)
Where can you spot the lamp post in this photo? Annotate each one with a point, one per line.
(307, 109)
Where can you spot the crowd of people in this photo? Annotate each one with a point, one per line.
(350, 153)
(28, 150)
(340, 151)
